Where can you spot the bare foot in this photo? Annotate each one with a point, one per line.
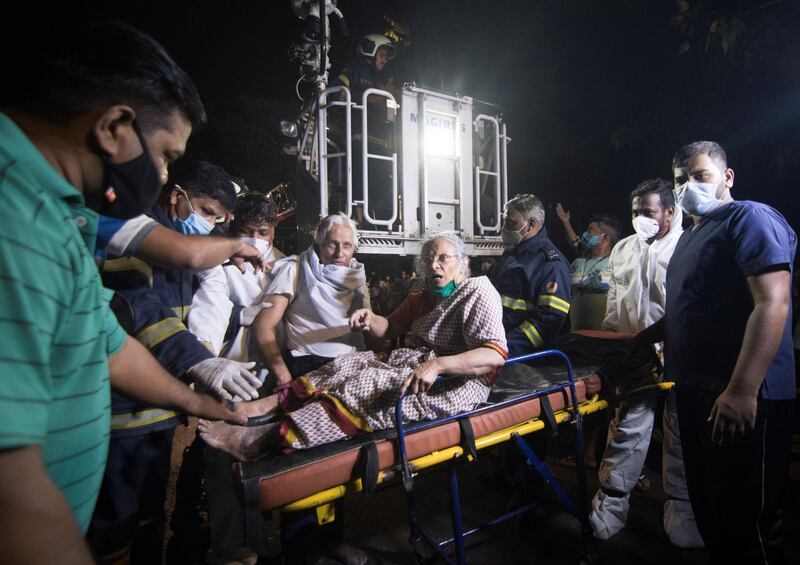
(246, 444)
(261, 407)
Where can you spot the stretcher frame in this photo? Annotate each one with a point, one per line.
(456, 454)
(321, 503)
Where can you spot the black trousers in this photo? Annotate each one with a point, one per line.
(128, 518)
(737, 490)
(225, 508)
(299, 366)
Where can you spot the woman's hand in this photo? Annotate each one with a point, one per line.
(423, 377)
(360, 320)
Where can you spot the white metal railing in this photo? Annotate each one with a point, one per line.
(496, 172)
(366, 156)
(322, 135)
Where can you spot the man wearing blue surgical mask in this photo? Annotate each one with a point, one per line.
(194, 215)
(154, 302)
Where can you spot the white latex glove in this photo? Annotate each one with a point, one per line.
(227, 378)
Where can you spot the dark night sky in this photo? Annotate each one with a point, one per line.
(594, 92)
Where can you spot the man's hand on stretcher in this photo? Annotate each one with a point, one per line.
(593, 384)
(134, 372)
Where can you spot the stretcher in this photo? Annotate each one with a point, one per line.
(544, 394)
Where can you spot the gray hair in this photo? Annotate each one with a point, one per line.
(529, 206)
(328, 222)
(423, 269)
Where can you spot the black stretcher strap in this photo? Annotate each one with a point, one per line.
(549, 416)
(368, 467)
(468, 438)
(253, 522)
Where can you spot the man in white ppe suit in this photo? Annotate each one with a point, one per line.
(636, 299)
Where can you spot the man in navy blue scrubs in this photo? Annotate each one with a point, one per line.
(727, 344)
(728, 347)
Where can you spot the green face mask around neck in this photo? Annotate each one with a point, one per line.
(444, 291)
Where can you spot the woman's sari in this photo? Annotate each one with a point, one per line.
(357, 392)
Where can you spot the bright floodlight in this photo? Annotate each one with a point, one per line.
(440, 135)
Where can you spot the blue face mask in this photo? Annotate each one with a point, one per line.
(194, 224)
(443, 291)
(589, 240)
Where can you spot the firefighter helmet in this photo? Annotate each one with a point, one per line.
(370, 44)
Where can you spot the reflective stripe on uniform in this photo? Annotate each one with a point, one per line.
(554, 302)
(532, 333)
(129, 264)
(181, 311)
(140, 418)
(517, 303)
(154, 334)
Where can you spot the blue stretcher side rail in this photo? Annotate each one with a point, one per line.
(267, 483)
(418, 533)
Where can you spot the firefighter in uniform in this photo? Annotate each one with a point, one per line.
(151, 304)
(532, 277)
(369, 70)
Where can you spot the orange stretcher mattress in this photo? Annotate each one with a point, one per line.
(286, 478)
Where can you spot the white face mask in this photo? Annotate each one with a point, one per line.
(645, 227)
(698, 198)
(263, 247)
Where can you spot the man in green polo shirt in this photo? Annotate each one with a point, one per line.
(89, 129)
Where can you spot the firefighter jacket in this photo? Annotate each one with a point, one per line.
(533, 279)
(358, 76)
(152, 304)
(361, 75)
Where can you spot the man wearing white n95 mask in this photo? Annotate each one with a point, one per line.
(636, 299)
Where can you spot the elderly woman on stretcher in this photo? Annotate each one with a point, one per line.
(457, 328)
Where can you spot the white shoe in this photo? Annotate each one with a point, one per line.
(680, 525)
(609, 514)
